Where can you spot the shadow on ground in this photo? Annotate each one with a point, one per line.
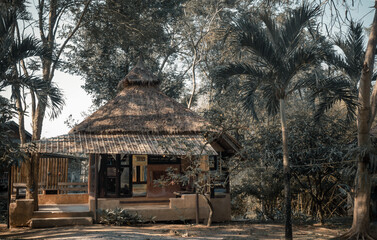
(177, 231)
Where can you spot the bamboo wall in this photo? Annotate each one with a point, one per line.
(51, 171)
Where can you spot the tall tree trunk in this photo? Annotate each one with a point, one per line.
(210, 208)
(30, 186)
(287, 172)
(48, 69)
(39, 114)
(34, 160)
(361, 223)
(21, 117)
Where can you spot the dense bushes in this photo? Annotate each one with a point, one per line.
(322, 175)
(120, 217)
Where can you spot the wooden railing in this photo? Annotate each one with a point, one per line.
(19, 189)
(66, 187)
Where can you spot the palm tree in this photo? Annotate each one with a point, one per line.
(13, 50)
(279, 51)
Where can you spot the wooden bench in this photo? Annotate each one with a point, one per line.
(19, 189)
(65, 187)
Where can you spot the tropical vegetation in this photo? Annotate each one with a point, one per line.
(296, 93)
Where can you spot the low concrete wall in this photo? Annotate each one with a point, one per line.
(63, 198)
(108, 203)
(179, 209)
(221, 209)
(185, 208)
(20, 212)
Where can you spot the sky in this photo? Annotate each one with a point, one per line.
(78, 101)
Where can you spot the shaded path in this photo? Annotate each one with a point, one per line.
(175, 231)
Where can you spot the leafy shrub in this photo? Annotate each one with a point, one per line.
(118, 217)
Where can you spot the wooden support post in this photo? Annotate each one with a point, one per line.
(197, 207)
(90, 174)
(9, 192)
(117, 175)
(96, 178)
(130, 174)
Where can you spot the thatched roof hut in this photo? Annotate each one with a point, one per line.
(139, 120)
(133, 139)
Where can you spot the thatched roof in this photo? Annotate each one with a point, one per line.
(140, 107)
(139, 76)
(78, 143)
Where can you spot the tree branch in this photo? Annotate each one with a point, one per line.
(69, 38)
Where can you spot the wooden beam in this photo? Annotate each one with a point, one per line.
(96, 187)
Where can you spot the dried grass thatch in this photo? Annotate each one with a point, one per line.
(139, 76)
(161, 144)
(141, 108)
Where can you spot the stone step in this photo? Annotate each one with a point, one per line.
(60, 221)
(59, 214)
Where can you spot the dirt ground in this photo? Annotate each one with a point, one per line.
(233, 230)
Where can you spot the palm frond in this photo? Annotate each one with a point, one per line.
(302, 57)
(27, 47)
(12, 52)
(355, 39)
(295, 22)
(270, 95)
(273, 28)
(248, 96)
(233, 69)
(18, 9)
(352, 46)
(333, 90)
(56, 101)
(252, 36)
(47, 93)
(53, 98)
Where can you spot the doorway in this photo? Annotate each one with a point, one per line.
(115, 176)
(139, 175)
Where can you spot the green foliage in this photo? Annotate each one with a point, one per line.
(119, 217)
(260, 175)
(340, 83)
(279, 51)
(15, 48)
(12, 51)
(10, 153)
(320, 166)
(352, 46)
(114, 35)
(193, 176)
(322, 175)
